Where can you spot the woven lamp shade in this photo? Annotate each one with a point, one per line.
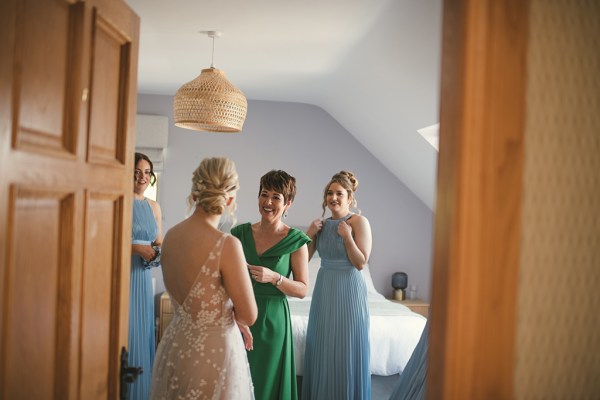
(210, 103)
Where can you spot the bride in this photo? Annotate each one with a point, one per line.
(202, 354)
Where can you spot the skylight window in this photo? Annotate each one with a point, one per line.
(431, 133)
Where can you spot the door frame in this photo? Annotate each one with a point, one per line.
(479, 191)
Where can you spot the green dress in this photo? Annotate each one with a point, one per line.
(272, 360)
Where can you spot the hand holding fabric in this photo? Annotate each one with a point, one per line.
(345, 230)
(262, 274)
(314, 228)
(155, 261)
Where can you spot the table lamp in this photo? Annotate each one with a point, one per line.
(399, 283)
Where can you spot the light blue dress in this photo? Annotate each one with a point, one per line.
(413, 381)
(337, 355)
(141, 302)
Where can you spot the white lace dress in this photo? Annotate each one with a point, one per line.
(202, 354)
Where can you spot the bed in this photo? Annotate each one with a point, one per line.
(395, 329)
(394, 332)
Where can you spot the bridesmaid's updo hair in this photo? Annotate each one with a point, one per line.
(142, 156)
(279, 181)
(213, 182)
(349, 182)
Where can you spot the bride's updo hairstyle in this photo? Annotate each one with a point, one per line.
(213, 182)
(349, 182)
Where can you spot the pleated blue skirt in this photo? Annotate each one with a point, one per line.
(413, 381)
(141, 328)
(337, 356)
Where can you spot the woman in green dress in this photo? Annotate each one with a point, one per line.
(277, 258)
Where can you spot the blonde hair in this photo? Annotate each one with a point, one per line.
(213, 182)
(349, 182)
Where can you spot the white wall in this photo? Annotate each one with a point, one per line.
(310, 145)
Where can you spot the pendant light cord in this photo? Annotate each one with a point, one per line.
(213, 35)
(212, 62)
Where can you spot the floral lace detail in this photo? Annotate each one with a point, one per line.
(201, 354)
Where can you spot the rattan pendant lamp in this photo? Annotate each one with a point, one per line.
(210, 102)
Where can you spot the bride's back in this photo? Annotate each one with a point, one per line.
(186, 249)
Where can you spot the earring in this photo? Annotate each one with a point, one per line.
(284, 214)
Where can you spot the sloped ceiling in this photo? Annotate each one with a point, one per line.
(373, 65)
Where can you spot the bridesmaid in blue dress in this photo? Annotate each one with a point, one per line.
(337, 355)
(145, 251)
(412, 383)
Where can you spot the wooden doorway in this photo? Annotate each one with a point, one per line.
(478, 211)
(68, 82)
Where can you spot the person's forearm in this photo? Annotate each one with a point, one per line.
(292, 288)
(355, 255)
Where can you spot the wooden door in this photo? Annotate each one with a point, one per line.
(68, 73)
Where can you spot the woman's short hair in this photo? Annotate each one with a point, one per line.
(279, 181)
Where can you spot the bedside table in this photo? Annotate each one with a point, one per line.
(418, 306)
(165, 314)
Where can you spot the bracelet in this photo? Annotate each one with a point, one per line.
(279, 281)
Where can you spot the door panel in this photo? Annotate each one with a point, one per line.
(101, 291)
(36, 324)
(111, 63)
(43, 74)
(67, 103)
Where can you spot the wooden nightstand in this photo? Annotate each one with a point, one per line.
(418, 306)
(166, 314)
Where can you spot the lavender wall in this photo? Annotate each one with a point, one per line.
(308, 143)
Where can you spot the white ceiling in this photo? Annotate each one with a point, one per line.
(374, 65)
